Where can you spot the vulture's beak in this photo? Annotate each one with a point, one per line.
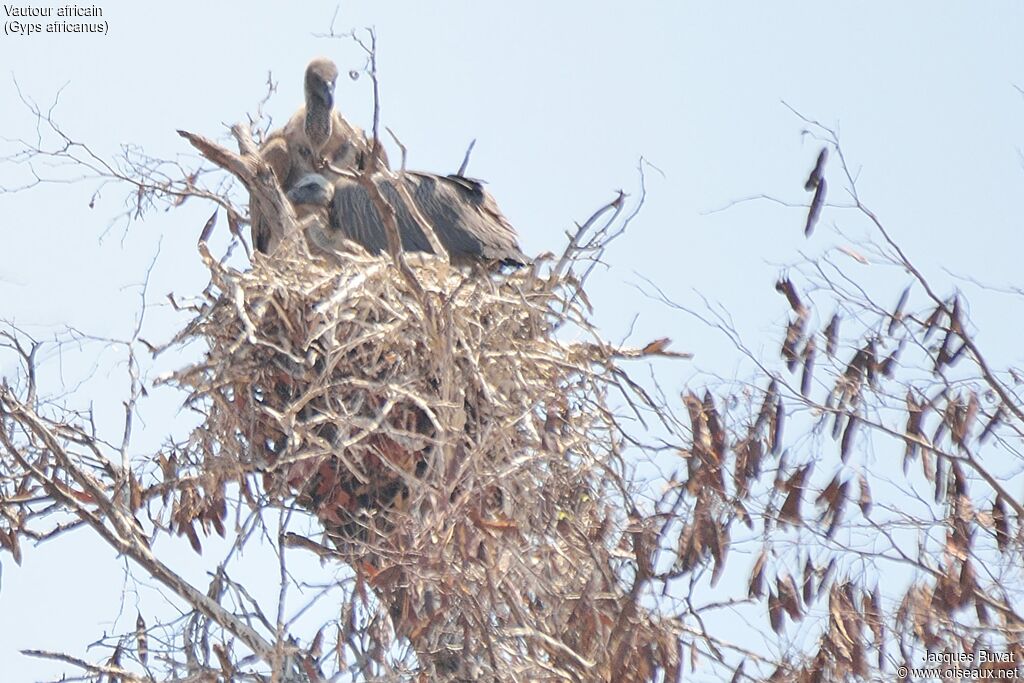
(326, 92)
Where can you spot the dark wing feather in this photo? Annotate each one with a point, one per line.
(464, 217)
(470, 224)
(353, 214)
(447, 215)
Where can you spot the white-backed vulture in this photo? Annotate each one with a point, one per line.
(463, 215)
(316, 139)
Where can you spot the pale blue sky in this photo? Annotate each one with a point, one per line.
(563, 99)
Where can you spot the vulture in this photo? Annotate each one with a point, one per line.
(317, 145)
(464, 216)
(321, 77)
(316, 139)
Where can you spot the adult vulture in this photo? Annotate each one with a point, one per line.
(463, 215)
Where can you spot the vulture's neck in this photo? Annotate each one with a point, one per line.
(318, 124)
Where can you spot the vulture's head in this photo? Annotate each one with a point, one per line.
(311, 190)
(321, 75)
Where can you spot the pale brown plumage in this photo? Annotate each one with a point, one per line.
(345, 149)
(316, 139)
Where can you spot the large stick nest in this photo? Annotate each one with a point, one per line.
(351, 389)
(458, 450)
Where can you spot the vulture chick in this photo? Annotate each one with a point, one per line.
(321, 77)
(465, 218)
(316, 139)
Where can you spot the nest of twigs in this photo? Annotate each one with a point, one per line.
(437, 429)
(457, 448)
(362, 395)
